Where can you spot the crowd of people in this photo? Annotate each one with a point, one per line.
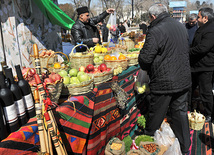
(178, 59)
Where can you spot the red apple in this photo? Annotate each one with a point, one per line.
(56, 77)
(48, 81)
(82, 68)
(103, 67)
(90, 67)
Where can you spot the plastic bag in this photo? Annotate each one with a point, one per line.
(165, 136)
(142, 82)
(111, 25)
(174, 149)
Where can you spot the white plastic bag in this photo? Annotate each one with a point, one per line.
(174, 149)
(111, 25)
(165, 136)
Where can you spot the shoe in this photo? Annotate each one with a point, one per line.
(208, 119)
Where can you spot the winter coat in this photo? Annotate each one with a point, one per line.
(202, 50)
(85, 32)
(104, 33)
(165, 56)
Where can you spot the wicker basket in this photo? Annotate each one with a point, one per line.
(103, 77)
(56, 70)
(128, 42)
(54, 91)
(82, 88)
(117, 63)
(44, 60)
(132, 60)
(194, 122)
(83, 59)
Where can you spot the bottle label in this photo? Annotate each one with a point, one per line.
(20, 107)
(10, 113)
(28, 100)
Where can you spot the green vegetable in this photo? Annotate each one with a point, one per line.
(134, 49)
(128, 142)
(143, 138)
(141, 121)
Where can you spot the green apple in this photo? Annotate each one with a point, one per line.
(101, 58)
(74, 80)
(73, 72)
(66, 79)
(134, 55)
(63, 73)
(96, 60)
(96, 55)
(80, 73)
(83, 77)
(141, 90)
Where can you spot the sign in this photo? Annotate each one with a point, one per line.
(177, 4)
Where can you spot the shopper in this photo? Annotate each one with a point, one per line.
(143, 27)
(165, 56)
(104, 31)
(191, 26)
(84, 30)
(122, 28)
(202, 59)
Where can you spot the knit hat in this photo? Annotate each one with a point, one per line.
(82, 10)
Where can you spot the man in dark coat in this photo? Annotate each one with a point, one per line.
(84, 30)
(165, 56)
(202, 59)
(104, 31)
(191, 26)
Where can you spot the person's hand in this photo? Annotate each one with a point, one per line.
(95, 40)
(110, 10)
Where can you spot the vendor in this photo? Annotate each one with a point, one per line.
(84, 30)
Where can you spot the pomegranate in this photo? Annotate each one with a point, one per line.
(48, 81)
(56, 78)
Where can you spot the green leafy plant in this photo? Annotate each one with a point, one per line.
(128, 142)
(141, 121)
(143, 138)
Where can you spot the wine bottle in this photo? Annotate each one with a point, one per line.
(17, 95)
(8, 105)
(26, 93)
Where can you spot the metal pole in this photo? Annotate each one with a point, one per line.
(132, 9)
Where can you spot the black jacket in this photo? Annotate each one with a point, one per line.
(165, 56)
(122, 29)
(104, 33)
(85, 32)
(202, 50)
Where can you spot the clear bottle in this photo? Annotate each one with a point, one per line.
(17, 95)
(26, 93)
(8, 105)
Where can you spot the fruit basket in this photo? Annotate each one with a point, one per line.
(117, 63)
(196, 120)
(57, 66)
(44, 56)
(103, 76)
(132, 59)
(81, 88)
(80, 58)
(99, 53)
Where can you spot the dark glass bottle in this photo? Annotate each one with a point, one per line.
(17, 95)
(26, 93)
(8, 105)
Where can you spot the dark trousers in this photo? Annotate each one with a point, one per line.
(204, 80)
(177, 104)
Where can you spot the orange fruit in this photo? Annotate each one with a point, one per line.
(122, 57)
(107, 57)
(57, 65)
(113, 58)
(136, 46)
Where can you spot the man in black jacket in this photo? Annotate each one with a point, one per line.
(84, 30)
(165, 56)
(202, 59)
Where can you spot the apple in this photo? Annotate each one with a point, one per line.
(73, 72)
(83, 77)
(66, 79)
(114, 29)
(74, 80)
(141, 90)
(80, 73)
(90, 67)
(48, 81)
(82, 69)
(56, 77)
(103, 67)
(63, 73)
(96, 60)
(101, 58)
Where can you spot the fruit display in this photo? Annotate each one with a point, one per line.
(132, 58)
(46, 53)
(139, 45)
